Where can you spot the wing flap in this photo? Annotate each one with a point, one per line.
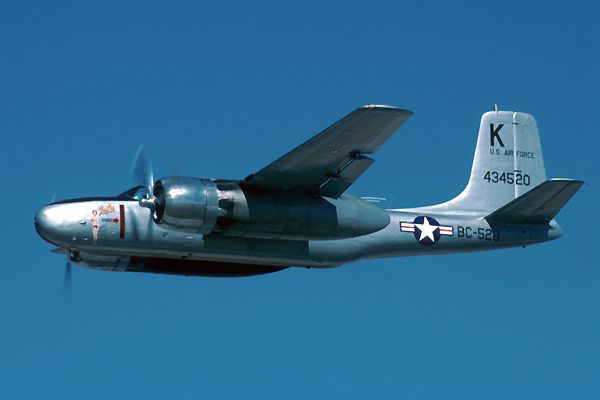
(337, 183)
(538, 206)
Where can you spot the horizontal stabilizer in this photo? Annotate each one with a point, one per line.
(538, 206)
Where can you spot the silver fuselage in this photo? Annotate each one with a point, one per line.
(124, 231)
(295, 212)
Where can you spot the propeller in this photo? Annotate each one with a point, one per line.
(67, 281)
(141, 171)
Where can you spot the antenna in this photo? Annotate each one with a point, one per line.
(496, 107)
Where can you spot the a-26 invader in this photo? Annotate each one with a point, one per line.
(295, 212)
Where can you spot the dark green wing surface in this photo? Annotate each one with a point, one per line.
(331, 161)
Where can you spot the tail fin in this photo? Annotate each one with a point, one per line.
(538, 206)
(508, 162)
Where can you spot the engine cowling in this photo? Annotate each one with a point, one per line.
(186, 204)
(199, 205)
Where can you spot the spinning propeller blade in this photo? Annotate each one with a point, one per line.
(67, 281)
(141, 169)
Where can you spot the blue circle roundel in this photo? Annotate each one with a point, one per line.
(427, 230)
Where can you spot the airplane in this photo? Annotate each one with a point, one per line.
(295, 212)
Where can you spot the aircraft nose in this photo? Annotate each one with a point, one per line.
(45, 224)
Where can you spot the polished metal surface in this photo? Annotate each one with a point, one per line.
(186, 204)
(196, 226)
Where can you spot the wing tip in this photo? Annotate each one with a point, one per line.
(386, 107)
(570, 181)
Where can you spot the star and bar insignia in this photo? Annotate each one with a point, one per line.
(427, 230)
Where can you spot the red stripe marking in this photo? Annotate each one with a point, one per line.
(122, 227)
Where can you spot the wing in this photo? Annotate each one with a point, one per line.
(331, 161)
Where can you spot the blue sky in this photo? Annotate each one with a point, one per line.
(220, 89)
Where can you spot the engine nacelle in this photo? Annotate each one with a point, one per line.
(205, 206)
(186, 204)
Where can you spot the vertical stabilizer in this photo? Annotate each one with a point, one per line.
(508, 162)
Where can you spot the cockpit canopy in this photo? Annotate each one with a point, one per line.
(136, 193)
